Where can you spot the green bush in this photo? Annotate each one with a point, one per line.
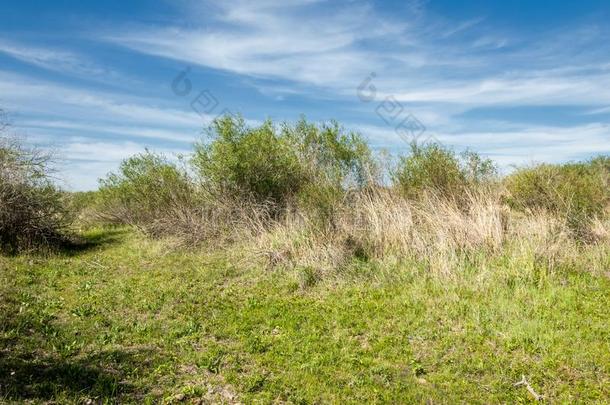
(301, 163)
(147, 188)
(331, 155)
(601, 167)
(84, 207)
(32, 209)
(577, 192)
(238, 180)
(437, 169)
(248, 163)
(334, 161)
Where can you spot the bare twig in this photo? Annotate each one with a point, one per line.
(529, 388)
(93, 263)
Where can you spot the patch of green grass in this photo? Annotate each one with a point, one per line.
(130, 320)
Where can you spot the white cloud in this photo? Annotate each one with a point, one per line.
(603, 110)
(539, 89)
(152, 133)
(61, 61)
(517, 145)
(43, 98)
(51, 114)
(420, 58)
(83, 162)
(286, 40)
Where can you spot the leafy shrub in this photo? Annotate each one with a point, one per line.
(147, 189)
(331, 155)
(577, 192)
(301, 163)
(32, 213)
(83, 206)
(248, 163)
(334, 161)
(160, 199)
(241, 180)
(435, 168)
(601, 167)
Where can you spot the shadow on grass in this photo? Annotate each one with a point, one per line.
(101, 376)
(62, 244)
(91, 240)
(40, 360)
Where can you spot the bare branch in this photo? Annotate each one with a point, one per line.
(529, 388)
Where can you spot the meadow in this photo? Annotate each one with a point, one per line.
(291, 264)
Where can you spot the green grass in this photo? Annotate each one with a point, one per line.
(130, 320)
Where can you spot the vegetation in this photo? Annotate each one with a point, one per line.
(308, 279)
(147, 189)
(32, 213)
(437, 169)
(280, 166)
(577, 192)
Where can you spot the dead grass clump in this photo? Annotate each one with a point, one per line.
(215, 223)
(380, 224)
(447, 226)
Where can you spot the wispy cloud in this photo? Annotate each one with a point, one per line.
(27, 95)
(57, 60)
(141, 131)
(287, 40)
(603, 110)
(91, 130)
(532, 88)
(84, 162)
(419, 59)
(511, 144)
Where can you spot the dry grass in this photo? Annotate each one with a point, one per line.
(190, 222)
(381, 225)
(601, 230)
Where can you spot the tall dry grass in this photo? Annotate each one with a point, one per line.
(379, 225)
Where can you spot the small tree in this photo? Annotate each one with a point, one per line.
(248, 163)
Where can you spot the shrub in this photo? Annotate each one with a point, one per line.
(437, 169)
(83, 206)
(331, 155)
(334, 161)
(240, 181)
(248, 163)
(160, 199)
(601, 167)
(577, 192)
(147, 189)
(32, 213)
(301, 163)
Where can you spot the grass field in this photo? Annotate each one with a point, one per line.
(125, 319)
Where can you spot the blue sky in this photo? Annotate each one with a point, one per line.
(519, 81)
